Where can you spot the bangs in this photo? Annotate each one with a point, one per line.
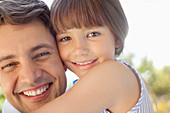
(76, 14)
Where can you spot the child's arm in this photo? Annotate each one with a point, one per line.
(108, 85)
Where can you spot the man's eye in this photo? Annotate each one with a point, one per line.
(9, 65)
(65, 39)
(41, 54)
(93, 34)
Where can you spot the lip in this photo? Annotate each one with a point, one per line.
(37, 97)
(86, 66)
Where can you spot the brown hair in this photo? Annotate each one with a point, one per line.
(17, 12)
(67, 14)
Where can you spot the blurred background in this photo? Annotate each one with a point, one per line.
(146, 48)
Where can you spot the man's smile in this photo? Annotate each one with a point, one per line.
(35, 92)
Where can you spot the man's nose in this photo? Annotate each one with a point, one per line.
(29, 72)
(80, 48)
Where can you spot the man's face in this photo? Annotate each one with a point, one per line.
(31, 72)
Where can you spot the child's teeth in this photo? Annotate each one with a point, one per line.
(85, 63)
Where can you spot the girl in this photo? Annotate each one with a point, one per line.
(90, 34)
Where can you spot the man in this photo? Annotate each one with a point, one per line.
(31, 72)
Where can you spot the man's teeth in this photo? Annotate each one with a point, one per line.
(38, 92)
(85, 63)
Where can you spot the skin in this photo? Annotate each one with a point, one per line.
(82, 49)
(104, 83)
(29, 62)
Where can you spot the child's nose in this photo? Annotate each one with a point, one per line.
(80, 48)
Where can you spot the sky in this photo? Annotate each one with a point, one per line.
(149, 30)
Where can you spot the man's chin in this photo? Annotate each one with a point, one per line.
(30, 108)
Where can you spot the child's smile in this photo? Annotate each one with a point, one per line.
(84, 65)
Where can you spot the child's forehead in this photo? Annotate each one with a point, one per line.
(83, 27)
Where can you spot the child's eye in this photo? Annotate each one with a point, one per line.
(93, 34)
(65, 39)
(9, 66)
(43, 54)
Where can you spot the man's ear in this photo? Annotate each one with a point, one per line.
(65, 68)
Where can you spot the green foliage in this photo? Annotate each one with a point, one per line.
(128, 59)
(2, 99)
(158, 80)
(147, 69)
(161, 85)
(146, 65)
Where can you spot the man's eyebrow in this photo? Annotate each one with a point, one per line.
(41, 46)
(7, 57)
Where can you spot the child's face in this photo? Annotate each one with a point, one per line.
(81, 49)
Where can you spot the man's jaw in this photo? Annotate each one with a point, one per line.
(31, 98)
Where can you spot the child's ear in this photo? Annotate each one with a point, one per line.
(118, 43)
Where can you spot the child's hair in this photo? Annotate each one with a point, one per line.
(67, 14)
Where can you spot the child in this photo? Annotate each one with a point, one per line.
(90, 34)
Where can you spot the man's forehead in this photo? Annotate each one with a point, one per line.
(27, 33)
(25, 26)
(26, 38)
(3, 27)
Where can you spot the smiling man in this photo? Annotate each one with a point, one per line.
(31, 72)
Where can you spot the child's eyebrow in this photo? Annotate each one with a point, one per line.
(94, 27)
(60, 33)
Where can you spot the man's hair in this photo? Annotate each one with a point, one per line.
(16, 12)
(66, 14)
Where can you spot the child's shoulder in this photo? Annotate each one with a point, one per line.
(121, 83)
(115, 66)
(115, 72)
